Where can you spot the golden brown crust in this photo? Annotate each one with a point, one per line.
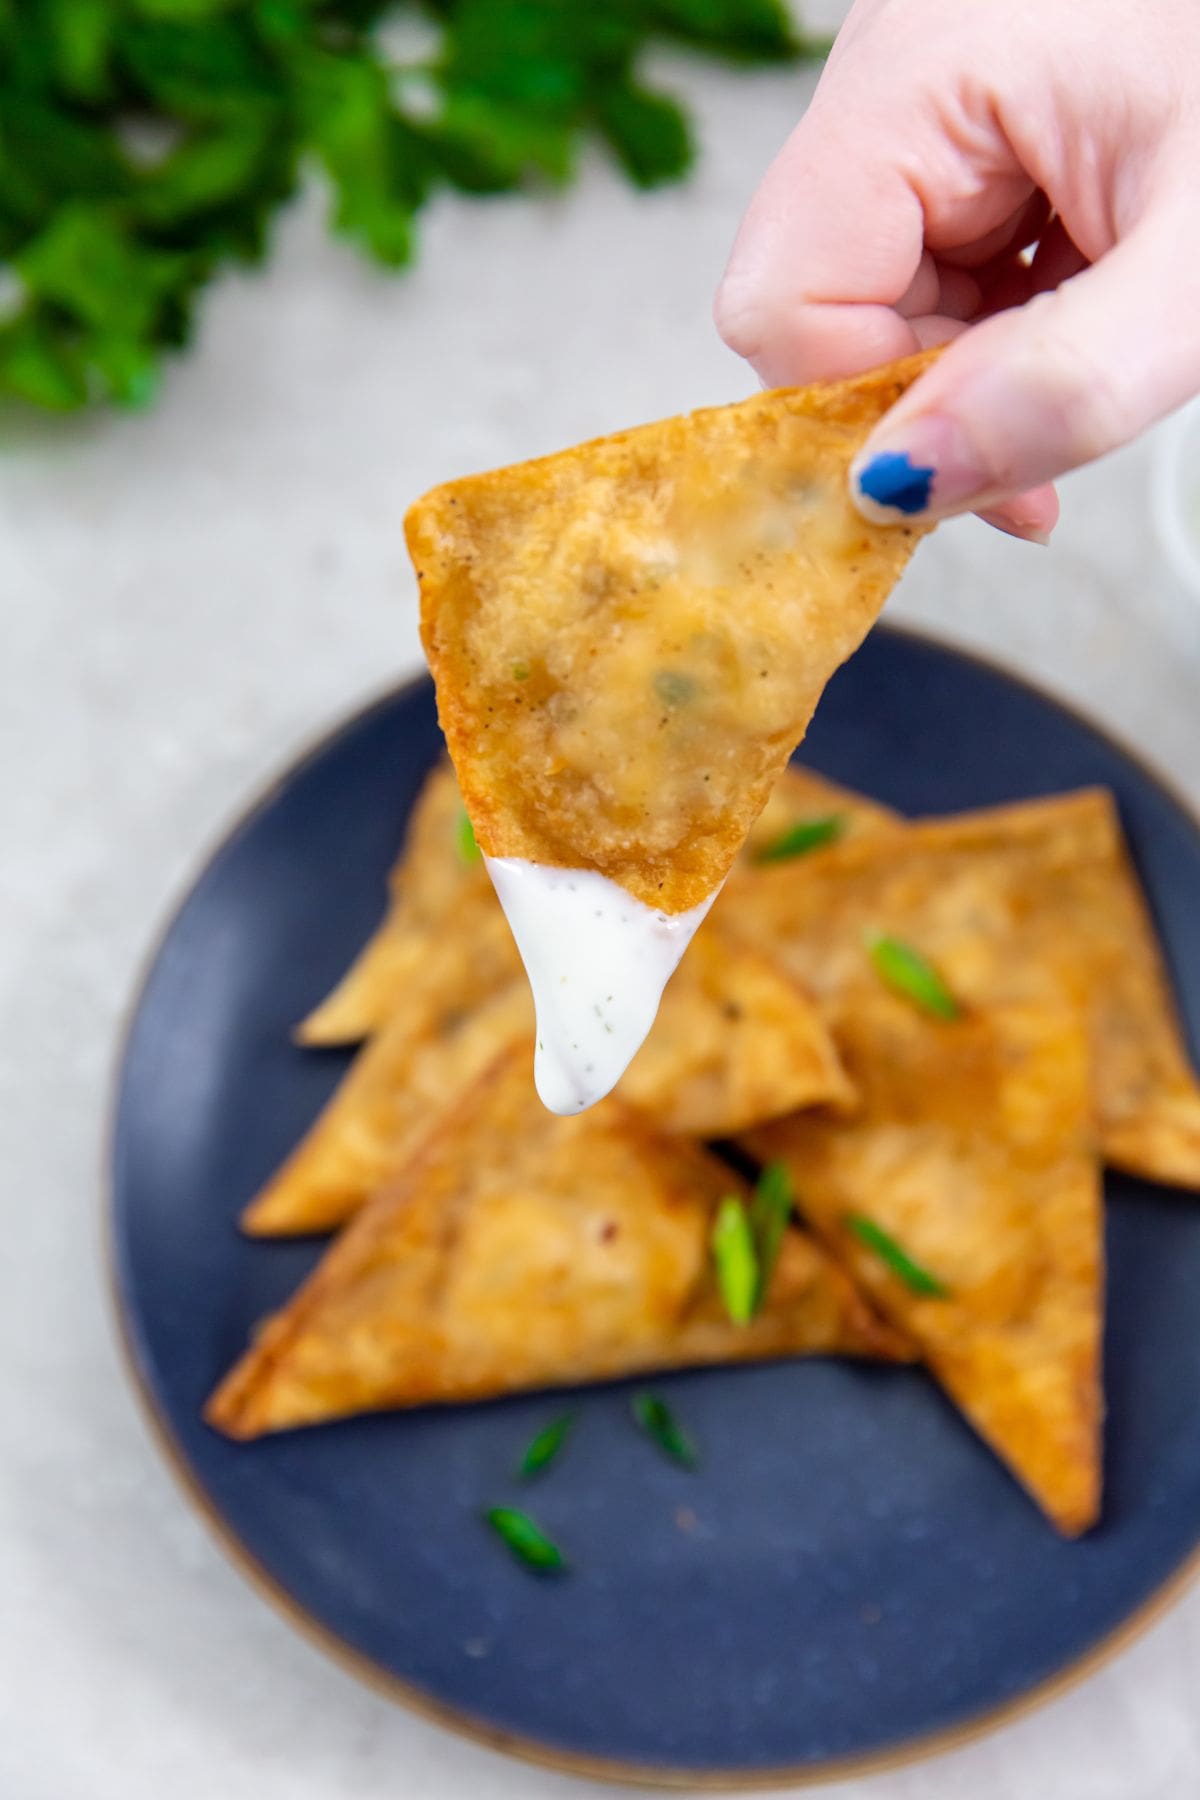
(736, 1041)
(395, 1091)
(629, 638)
(997, 899)
(433, 890)
(974, 1152)
(435, 950)
(802, 794)
(521, 1250)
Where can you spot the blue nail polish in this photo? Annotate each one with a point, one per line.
(893, 479)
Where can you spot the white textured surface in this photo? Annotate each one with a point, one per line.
(186, 599)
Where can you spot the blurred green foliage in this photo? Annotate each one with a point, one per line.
(145, 143)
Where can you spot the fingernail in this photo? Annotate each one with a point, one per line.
(924, 469)
(1017, 528)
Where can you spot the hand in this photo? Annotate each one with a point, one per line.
(943, 143)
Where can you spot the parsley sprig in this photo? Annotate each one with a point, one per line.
(147, 144)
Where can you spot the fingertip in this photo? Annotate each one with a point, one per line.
(1031, 516)
(792, 345)
(737, 316)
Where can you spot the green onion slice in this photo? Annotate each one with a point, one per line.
(770, 1210)
(468, 849)
(799, 839)
(527, 1541)
(657, 1420)
(885, 1247)
(543, 1449)
(736, 1259)
(908, 973)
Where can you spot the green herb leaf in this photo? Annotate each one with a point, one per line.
(81, 32)
(146, 144)
(50, 155)
(527, 1541)
(468, 849)
(127, 369)
(545, 1446)
(736, 1259)
(759, 29)
(908, 973)
(89, 264)
(194, 69)
(885, 1247)
(379, 167)
(674, 688)
(40, 364)
(799, 839)
(487, 147)
(649, 133)
(213, 168)
(657, 1420)
(770, 1210)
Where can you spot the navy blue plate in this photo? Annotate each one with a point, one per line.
(850, 1576)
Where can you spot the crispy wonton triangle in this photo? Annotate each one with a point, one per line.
(394, 1091)
(736, 1041)
(434, 891)
(520, 1250)
(974, 1154)
(800, 796)
(629, 638)
(998, 899)
(433, 924)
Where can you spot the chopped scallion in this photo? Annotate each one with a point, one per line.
(527, 1541)
(884, 1246)
(543, 1449)
(658, 1422)
(909, 974)
(799, 839)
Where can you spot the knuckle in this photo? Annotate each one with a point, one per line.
(739, 320)
(1085, 388)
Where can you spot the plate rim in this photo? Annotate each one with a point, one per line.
(330, 1643)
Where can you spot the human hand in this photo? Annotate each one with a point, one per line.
(943, 143)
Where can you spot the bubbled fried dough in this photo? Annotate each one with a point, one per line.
(629, 638)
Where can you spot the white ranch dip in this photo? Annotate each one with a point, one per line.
(598, 960)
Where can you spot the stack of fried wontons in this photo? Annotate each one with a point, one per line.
(490, 1247)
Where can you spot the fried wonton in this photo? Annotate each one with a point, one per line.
(435, 889)
(437, 893)
(736, 1041)
(629, 638)
(996, 899)
(974, 1154)
(802, 797)
(520, 1250)
(419, 975)
(394, 1091)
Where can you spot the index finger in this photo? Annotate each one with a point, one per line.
(829, 244)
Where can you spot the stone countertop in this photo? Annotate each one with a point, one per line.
(189, 597)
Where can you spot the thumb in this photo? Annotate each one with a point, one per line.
(1031, 393)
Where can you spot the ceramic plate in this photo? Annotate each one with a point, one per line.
(850, 1576)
